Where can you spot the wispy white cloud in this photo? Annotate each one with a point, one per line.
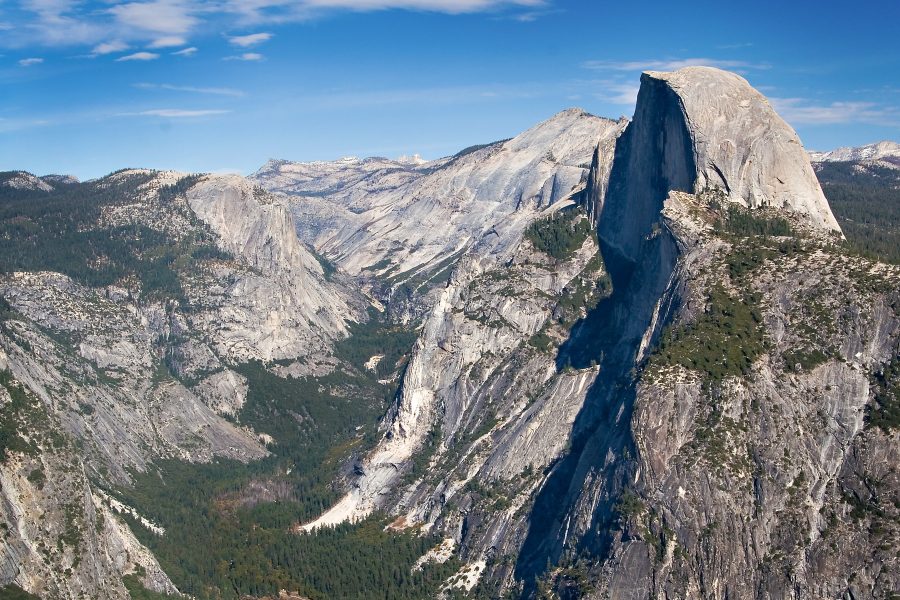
(8, 125)
(28, 62)
(619, 92)
(139, 56)
(808, 112)
(109, 47)
(245, 41)
(215, 91)
(158, 23)
(280, 11)
(186, 52)
(529, 16)
(175, 113)
(54, 23)
(246, 56)
(165, 17)
(447, 6)
(171, 41)
(670, 64)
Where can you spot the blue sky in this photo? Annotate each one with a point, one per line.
(223, 85)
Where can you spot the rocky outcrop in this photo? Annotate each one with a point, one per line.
(470, 350)
(601, 166)
(743, 147)
(62, 538)
(94, 362)
(349, 179)
(732, 485)
(278, 306)
(331, 196)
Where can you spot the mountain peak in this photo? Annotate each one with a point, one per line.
(23, 180)
(413, 159)
(741, 145)
(699, 128)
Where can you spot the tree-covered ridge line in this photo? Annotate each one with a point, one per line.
(64, 230)
(865, 200)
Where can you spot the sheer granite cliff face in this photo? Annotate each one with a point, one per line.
(280, 306)
(743, 482)
(63, 538)
(701, 128)
(741, 146)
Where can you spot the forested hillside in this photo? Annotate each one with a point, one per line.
(865, 200)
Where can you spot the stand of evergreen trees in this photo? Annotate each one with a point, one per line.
(222, 541)
(63, 231)
(866, 203)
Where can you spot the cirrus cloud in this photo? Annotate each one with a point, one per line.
(170, 41)
(808, 112)
(246, 56)
(245, 41)
(175, 113)
(158, 23)
(166, 17)
(109, 47)
(215, 91)
(141, 56)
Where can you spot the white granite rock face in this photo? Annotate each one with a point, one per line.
(62, 539)
(472, 361)
(755, 470)
(501, 293)
(700, 128)
(395, 218)
(280, 305)
(94, 362)
(742, 146)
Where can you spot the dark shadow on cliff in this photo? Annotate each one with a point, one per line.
(653, 156)
(595, 339)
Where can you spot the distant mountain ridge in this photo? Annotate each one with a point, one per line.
(23, 180)
(885, 151)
